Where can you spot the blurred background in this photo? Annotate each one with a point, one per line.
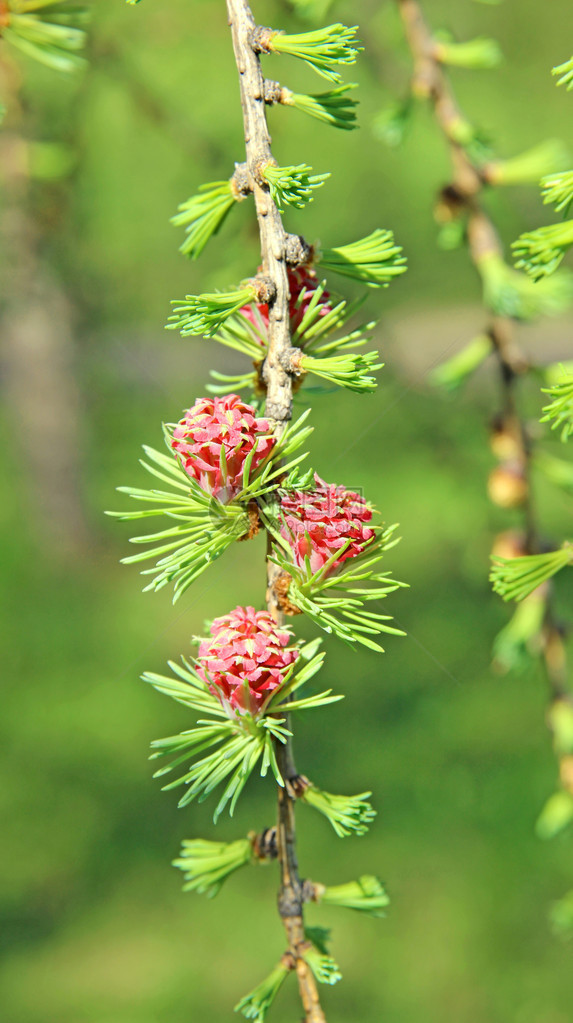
(94, 926)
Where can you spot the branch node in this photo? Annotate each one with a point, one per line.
(297, 251)
(260, 39)
(265, 844)
(265, 289)
(312, 891)
(281, 586)
(297, 786)
(273, 92)
(294, 362)
(258, 169)
(240, 182)
(254, 520)
(288, 961)
(450, 204)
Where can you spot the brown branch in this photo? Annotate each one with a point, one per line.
(463, 195)
(278, 380)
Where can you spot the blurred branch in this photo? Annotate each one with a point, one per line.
(462, 197)
(39, 346)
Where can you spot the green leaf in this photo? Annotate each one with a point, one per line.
(453, 373)
(565, 71)
(374, 260)
(540, 252)
(280, 700)
(255, 1005)
(318, 323)
(236, 749)
(291, 186)
(329, 358)
(509, 293)
(240, 334)
(560, 721)
(367, 895)
(335, 600)
(241, 382)
(203, 214)
(323, 966)
(351, 370)
(559, 412)
(322, 49)
(335, 107)
(320, 937)
(49, 32)
(476, 54)
(199, 527)
(225, 746)
(556, 815)
(553, 372)
(207, 865)
(515, 578)
(205, 314)
(349, 815)
(557, 190)
(543, 159)
(519, 642)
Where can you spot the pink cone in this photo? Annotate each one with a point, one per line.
(245, 658)
(213, 424)
(319, 522)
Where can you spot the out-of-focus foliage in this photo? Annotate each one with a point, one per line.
(95, 929)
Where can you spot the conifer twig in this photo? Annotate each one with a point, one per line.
(278, 380)
(463, 195)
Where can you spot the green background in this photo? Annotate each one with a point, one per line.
(95, 929)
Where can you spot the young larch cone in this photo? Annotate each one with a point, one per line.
(303, 283)
(319, 522)
(246, 658)
(214, 425)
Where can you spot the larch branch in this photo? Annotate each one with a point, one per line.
(278, 381)
(464, 191)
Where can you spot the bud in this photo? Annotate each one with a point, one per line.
(303, 284)
(322, 49)
(246, 658)
(214, 440)
(510, 544)
(507, 485)
(560, 721)
(556, 815)
(566, 773)
(506, 440)
(319, 522)
(290, 186)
